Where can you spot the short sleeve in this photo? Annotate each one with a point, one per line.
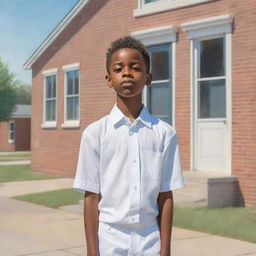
(171, 176)
(87, 173)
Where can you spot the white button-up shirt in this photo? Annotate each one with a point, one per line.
(128, 164)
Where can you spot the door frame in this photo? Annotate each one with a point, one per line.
(228, 57)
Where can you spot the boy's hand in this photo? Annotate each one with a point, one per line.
(91, 223)
(165, 204)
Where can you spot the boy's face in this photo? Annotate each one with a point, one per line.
(127, 73)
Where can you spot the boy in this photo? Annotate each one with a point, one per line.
(128, 165)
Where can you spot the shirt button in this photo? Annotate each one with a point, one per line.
(134, 160)
(130, 133)
(135, 187)
(133, 219)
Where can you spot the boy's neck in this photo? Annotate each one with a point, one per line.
(131, 107)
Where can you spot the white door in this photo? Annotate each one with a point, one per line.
(210, 145)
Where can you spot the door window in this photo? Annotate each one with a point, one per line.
(211, 79)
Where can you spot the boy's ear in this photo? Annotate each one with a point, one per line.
(149, 79)
(108, 80)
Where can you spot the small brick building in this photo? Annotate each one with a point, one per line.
(15, 131)
(203, 64)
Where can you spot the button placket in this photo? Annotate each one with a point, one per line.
(135, 175)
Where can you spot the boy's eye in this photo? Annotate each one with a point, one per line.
(117, 69)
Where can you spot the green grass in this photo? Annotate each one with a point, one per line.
(53, 199)
(13, 155)
(238, 223)
(19, 173)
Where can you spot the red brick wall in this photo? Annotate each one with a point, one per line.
(22, 135)
(85, 40)
(4, 138)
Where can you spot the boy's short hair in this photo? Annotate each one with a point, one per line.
(127, 42)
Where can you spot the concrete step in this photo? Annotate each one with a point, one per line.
(213, 189)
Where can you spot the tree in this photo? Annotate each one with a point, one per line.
(23, 93)
(8, 95)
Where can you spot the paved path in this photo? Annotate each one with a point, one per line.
(32, 230)
(16, 162)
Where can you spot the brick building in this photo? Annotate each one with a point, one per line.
(203, 64)
(15, 131)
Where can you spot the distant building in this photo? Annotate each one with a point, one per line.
(203, 64)
(15, 131)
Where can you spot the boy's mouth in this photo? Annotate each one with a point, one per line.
(127, 82)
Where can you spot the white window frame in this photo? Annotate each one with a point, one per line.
(11, 140)
(157, 36)
(46, 73)
(210, 28)
(163, 5)
(70, 123)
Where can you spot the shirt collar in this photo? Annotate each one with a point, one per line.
(116, 115)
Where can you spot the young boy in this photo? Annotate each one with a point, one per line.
(128, 165)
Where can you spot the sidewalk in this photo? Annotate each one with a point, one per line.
(33, 230)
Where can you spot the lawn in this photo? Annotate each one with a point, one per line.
(239, 223)
(19, 173)
(53, 199)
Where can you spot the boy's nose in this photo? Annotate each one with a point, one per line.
(127, 72)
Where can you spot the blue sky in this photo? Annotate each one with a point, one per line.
(24, 24)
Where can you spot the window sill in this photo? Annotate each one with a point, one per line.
(49, 125)
(71, 124)
(11, 141)
(160, 7)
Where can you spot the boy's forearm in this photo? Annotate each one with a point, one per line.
(165, 204)
(91, 223)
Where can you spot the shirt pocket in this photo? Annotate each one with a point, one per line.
(151, 165)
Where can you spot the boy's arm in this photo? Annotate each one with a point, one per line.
(91, 222)
(165, 204)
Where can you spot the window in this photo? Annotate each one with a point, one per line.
(72, 114)
(146, 7)
(50, 99)
(11, 131)
(72, 95)
(159, 94)
(211, 78)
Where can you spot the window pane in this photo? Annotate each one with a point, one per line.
(70, 80)
(212, 58)
(50, 110)
(53, 86)
(151, 1)
(76, 108)
(48, 87)
(159, 101)
(76, 90)
(73, 108)
(160, 64)
(212, 99)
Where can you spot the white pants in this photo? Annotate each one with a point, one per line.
(116, 241)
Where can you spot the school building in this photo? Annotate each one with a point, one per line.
(15, 130)
(203, 65)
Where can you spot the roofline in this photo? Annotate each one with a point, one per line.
(55, 33)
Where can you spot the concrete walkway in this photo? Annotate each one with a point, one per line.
(32, 230)
(16, 162)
